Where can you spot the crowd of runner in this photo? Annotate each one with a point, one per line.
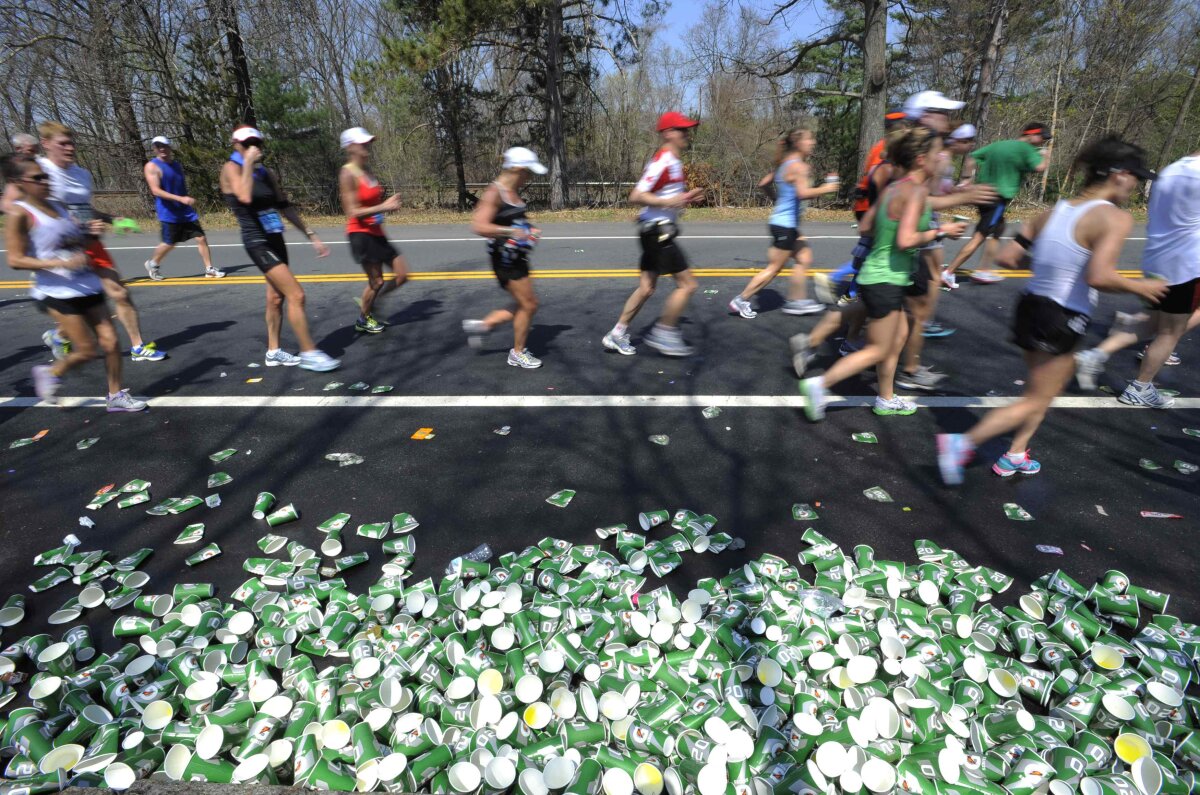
(884, 296)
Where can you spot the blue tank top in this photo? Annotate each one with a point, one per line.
(788, 207)
(172, 181)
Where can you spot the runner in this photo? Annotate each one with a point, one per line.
(900, 224)
(1074, 249)
(254, 195)
(22, 144)
(662, 193)
(1003, 165)
(921, 299)
(500, 217)
(792, 188)
(176, 209)
(71, 184)
(1172, 255)
(364, 206)
(41, 236)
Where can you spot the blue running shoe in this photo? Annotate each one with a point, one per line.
(1008, 466)
(146, 353)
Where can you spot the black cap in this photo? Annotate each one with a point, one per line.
(1037, 128)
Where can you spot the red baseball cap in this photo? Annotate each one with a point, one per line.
(673, 120)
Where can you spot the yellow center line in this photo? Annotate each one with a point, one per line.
(438, 276)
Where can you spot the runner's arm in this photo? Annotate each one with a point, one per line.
(240, 179)
(154, 180)
(1106, 228)
(799, 177)
(907, 235)
(484, 215)
(16, 243)
(11, 194)
(1014, 254)
(767, 186)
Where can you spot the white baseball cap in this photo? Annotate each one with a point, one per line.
(916, 105)
(246, 133)
(520, 157)
(356, 135)
(161, 139)
(964, 132)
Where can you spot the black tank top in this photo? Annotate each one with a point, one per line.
(261, 216)
(508, 214)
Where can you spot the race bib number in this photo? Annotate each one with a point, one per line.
(271, 223)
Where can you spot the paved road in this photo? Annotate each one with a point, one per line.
(581, 422)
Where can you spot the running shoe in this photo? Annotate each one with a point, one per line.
(368, 325)
(214, 273)
(525, 360)
(802, 353)
(619, 343)
(281, 358)
(741, 306)
(925, 378)
(1008, 466)
(154, 271)
(146, 352)
(668, 341)
(123, 401)
(802, 306)
(897, 406)
(1089, 366)
(813, 390)
(1146, 395)
(849, 346)
(933, 329)
(45, 383)
(1171, 361)
(986, 277)
(318, 361)
(823, 288)
(954, 452)
(58, 346)
(949, 281)
(475, 330)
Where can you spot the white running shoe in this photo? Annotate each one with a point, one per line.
(123, 401)
(823, 288)
(45, 383)
(986, 277)
(1089, 366)
(1147, 396)
(475, 330)
(154, 271)
(214, 273)
(318, 361)
(802, 306)
(668, 341)
(620, 344)
(525, 360)
(801, 353)
(741, 306)
(949, 281)
(280, 358)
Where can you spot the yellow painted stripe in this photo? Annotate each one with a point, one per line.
(437, 276)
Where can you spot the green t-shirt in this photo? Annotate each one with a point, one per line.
(887, 264)
(1004, 164)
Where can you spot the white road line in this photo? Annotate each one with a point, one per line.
(562, 401)
(685, 237)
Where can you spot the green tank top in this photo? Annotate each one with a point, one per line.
(887, 264)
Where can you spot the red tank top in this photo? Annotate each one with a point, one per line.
(370, 193)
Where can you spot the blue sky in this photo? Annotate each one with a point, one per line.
(801, 20)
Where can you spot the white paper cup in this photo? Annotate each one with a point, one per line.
(503, 638)
(821, 661)
(251, 768)
(500, 773)
(612, 706)
(551, 660)
(616, 782)
(176, 762)
(1003, 682)
(528, 689)
(119, 776)
(241, 623)
(770, 673)
(562, 701)
(558, 772)
(692, 611)
(537, 715)
(486, 711)
(392, 765)
(587, 703)
(531, 782)
(335, 734)
(157, 715)
(460, 687)
(489, 682)
(1147, 775)
(712, 779)
(279, 752)
(892, 647)
(64, 758)
(648, 779)
(464, 777)
(976, 669)
(739, 745)
(861, 668)
(209, 742)
(91, 596)
(878, 775)
(831, 759)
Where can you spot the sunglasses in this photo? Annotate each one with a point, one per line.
(38, 178)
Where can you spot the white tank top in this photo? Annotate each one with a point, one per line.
(57, 238)
(1060, 263)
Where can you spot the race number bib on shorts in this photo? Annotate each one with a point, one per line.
(271, 223)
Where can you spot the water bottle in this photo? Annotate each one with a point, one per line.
(479, 554)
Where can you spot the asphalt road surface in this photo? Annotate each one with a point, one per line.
(580, 422)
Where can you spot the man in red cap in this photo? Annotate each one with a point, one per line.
(662, 192)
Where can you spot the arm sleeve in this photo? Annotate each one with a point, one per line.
(654, 177)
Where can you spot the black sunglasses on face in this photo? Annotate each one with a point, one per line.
(38, 178)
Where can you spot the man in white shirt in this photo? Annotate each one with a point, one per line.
(1172, 254)
(662, 192)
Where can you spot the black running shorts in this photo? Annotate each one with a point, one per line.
(1042, 324)
(881, 300)
(268, 254)
(372, 249)
(1181, 299)
(71, 306)
(991, 219)
(659, 256)
(921, 278)
(509, 265)
(174, 234)
(786, 238)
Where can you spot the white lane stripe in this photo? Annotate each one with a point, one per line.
(563, 401)
(629, 237)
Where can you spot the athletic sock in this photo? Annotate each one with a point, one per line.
(1016, 458)
(1141, 384)
(273, 350)
(619, 330)
(1101, 355)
